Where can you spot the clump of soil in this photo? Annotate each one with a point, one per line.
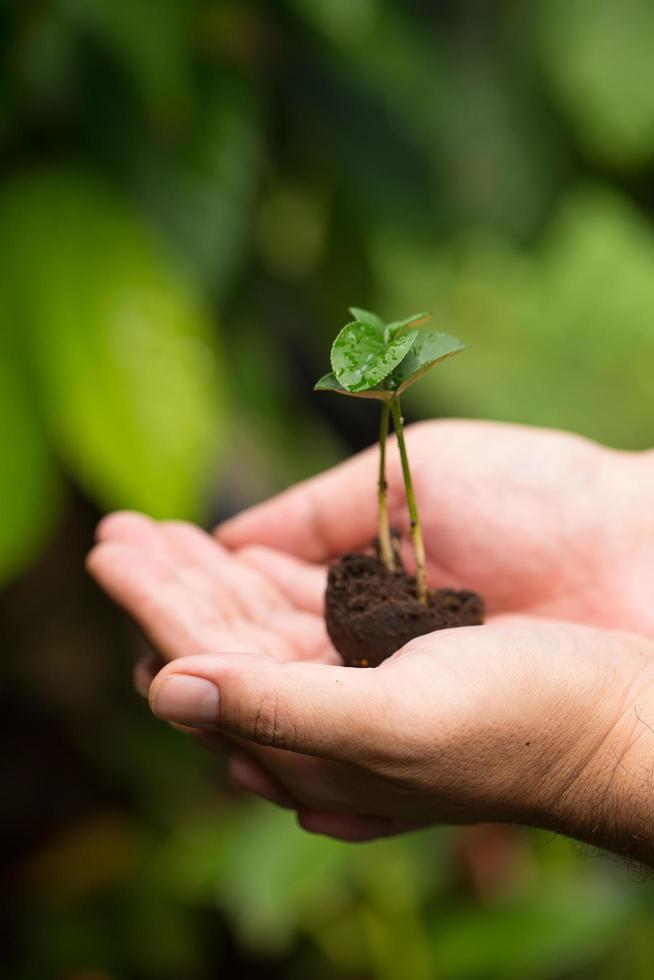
(371, 612)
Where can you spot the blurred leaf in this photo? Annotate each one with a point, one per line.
(430, 348)
(46, 62)
(200, 186)
(120, 344)
(598, 55)
(381, 44)
(89, 857)
(484, 147)
(555, 329)
(29, 485)
(150, 39)
(554, 931)
(361, 358)
(277, 878)
(497, 154)
(291, 230)
(278, 445)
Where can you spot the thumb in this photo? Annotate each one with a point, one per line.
(317, 709)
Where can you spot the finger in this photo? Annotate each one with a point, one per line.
(317, 519)
(191, 545)
(196, 556)
(145, 671)
(329, 712)
(148, 588)
(351, 827)
(213, 571)
(248, 775)
(173, 617)
(130, 527)
(302, 582)
(242, 592)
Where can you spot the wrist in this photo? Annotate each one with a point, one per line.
(603, 794)
(626, 765)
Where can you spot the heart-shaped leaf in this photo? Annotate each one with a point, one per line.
(329, 382)
(361, 358)
(428, 349)
(365, 316)
(396, 326)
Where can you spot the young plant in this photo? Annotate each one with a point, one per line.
(374, 359)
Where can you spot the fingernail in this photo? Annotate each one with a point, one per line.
(186, 699)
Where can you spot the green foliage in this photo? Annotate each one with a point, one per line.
(429, 348)
(200, 191)
(572, 924)
(150, 41)
(598, 55)
(557, 327)
(30, 488)
(210, 183)
(373, 359)
(393, 328)
(121, 352)
(365, 316)
(361, 357)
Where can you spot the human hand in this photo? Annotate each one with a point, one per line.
(189, 595)
(523, 721)
(536, 521)
(330, 514)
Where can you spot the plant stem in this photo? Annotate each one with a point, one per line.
(416, 530)
(385, 545)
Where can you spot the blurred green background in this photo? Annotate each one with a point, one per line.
(192, 194)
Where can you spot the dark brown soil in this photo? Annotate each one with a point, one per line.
(371, 612)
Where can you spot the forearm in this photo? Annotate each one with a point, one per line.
(605, 794)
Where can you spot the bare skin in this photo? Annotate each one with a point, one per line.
(531, 718)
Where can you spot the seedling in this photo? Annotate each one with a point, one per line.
(374, 359)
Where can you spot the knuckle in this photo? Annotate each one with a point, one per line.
(269, 724)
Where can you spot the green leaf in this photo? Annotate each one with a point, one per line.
(360, 357)
(429, 348)
(329, 382)
(396, 326)
(120, 345)
(365, 316)
(30, 488)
